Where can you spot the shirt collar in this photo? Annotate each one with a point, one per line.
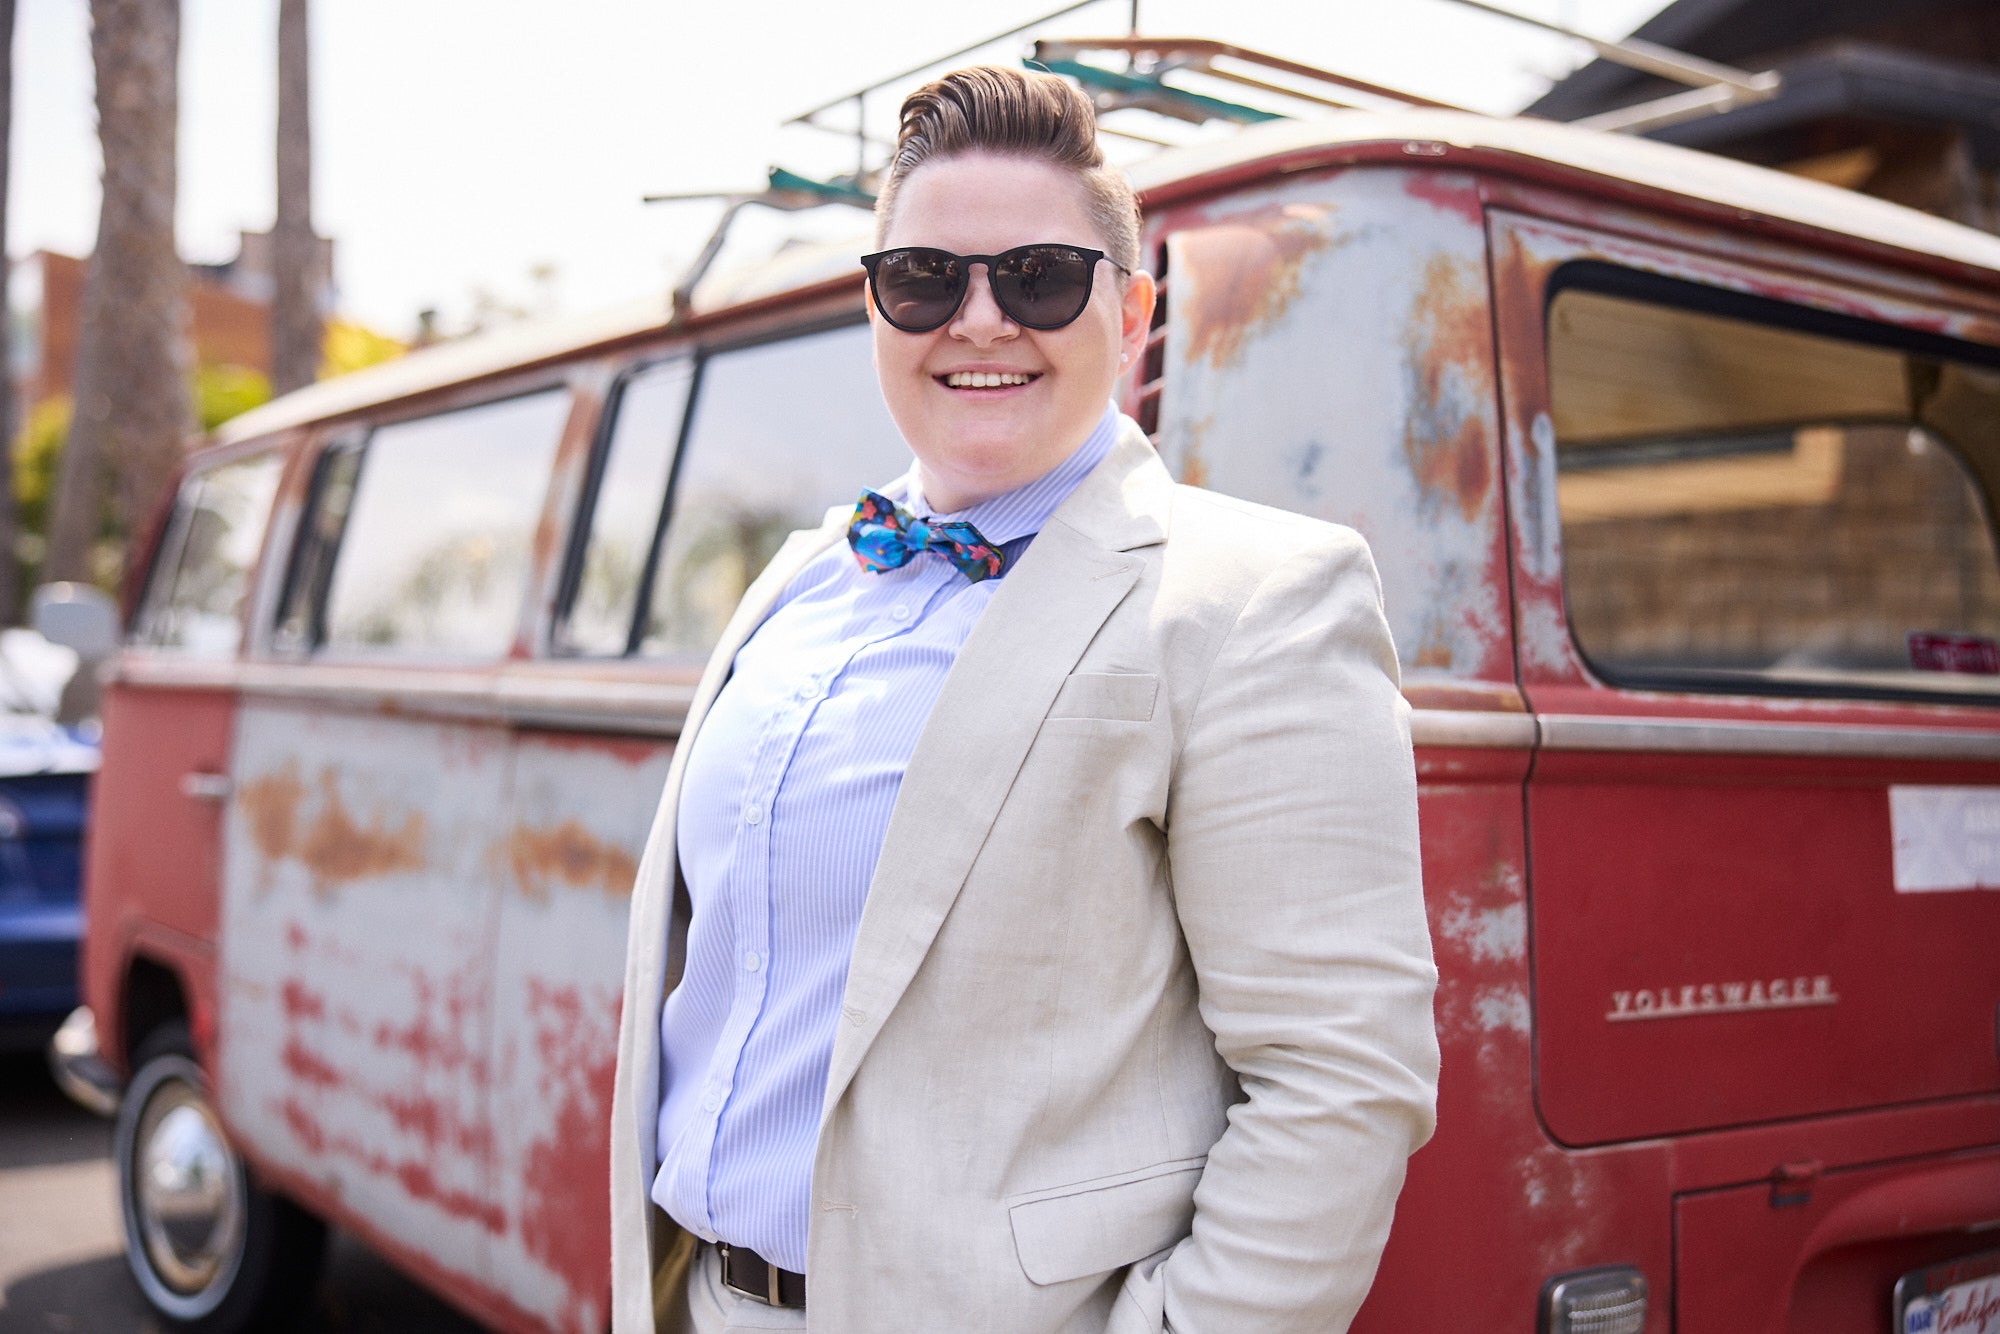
(1026, 508)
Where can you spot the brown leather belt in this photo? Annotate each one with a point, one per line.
(745, 1271)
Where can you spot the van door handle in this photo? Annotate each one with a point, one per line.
(206, 786)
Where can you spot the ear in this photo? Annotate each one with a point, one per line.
(1136, 316)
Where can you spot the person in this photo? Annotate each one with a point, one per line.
(1031, 937)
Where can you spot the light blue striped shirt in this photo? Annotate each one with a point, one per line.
(784, 804)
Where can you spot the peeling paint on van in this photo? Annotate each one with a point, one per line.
(1450, 385)
(1237, 278)
(567, 854)
(1348, 374)
(1497, 933)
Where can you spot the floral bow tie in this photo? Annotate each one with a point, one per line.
(887, 537)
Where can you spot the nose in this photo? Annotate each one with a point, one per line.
(979, 319)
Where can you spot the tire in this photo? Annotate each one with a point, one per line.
(210, 1251)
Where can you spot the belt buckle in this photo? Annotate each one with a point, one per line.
(771, 1295)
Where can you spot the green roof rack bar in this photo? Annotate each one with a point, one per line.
(785, 191)
(1150, 93)
(840, 190)
(1198, 55)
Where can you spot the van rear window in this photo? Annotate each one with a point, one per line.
(1753, 507)
(434, 555)
(194, 596)
(780, 432)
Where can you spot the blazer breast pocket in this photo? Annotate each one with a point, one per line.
(1126, 697)
(1094, 1227)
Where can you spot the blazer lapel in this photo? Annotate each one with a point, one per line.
(1030, 636)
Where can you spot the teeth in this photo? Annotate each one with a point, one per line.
(985, 379)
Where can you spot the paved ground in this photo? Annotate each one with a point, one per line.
(61, 1269)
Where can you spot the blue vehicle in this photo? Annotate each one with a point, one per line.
(45, 771)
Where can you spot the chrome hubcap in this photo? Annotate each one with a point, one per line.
(189, 1190)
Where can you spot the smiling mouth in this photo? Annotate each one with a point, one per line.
(986, 379)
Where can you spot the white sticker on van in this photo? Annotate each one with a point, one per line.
(1945, 838)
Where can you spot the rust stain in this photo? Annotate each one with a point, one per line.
(1454, 194)
(417, 1179)
(568, 854)
(271, 805)
(436, 1124)
(632, 751)
(435, 1047)
(1249, 269)
(300, 1002)
(575, 1045)
(304, 1125)
(337, 848)
(1450, 371)
(1194, 463)
(309, 1067)
(1434, 652)
(420, 1183)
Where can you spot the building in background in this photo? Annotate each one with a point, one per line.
(1901, 101)
(229, 315)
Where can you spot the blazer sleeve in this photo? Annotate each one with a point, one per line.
(1292, 846)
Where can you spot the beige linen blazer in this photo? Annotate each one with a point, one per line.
(1137, 1032)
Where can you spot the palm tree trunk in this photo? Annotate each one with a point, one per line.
(295, 315)
(10, 569)
(133, 412)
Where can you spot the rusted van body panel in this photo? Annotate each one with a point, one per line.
(403, 950)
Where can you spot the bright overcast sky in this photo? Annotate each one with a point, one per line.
(460, 145)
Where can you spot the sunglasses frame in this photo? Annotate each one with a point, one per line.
(870, 262)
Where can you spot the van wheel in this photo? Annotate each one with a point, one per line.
(210, 1251)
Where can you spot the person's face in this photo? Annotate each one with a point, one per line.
(976, 443)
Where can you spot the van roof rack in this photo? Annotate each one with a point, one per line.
(1712, 87)
(1142, 85)
(785, 191)
(1150, 59)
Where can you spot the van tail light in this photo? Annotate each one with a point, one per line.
(1611, 1300)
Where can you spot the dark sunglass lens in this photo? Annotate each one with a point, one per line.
(919, 289)
(1042, 286)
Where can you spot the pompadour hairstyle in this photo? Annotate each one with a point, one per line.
(1013, 113)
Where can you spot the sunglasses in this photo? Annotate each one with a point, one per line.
(919, 289)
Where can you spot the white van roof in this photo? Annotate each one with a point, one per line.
(1666, 168)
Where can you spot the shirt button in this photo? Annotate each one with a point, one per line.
(810, 690)
(753, 815)
(899, 613)
(712, 1103)
(752, 961)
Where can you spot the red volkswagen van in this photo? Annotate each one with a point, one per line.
(1682, 478)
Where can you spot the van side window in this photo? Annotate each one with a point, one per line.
(1746, 506)
(194, 597)
(433, 558)
(300, 624)
(779, 433)
(627, 499)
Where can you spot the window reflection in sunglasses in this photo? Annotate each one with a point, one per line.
(918, 288)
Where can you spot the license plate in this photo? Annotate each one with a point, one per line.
(1959, 1297)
